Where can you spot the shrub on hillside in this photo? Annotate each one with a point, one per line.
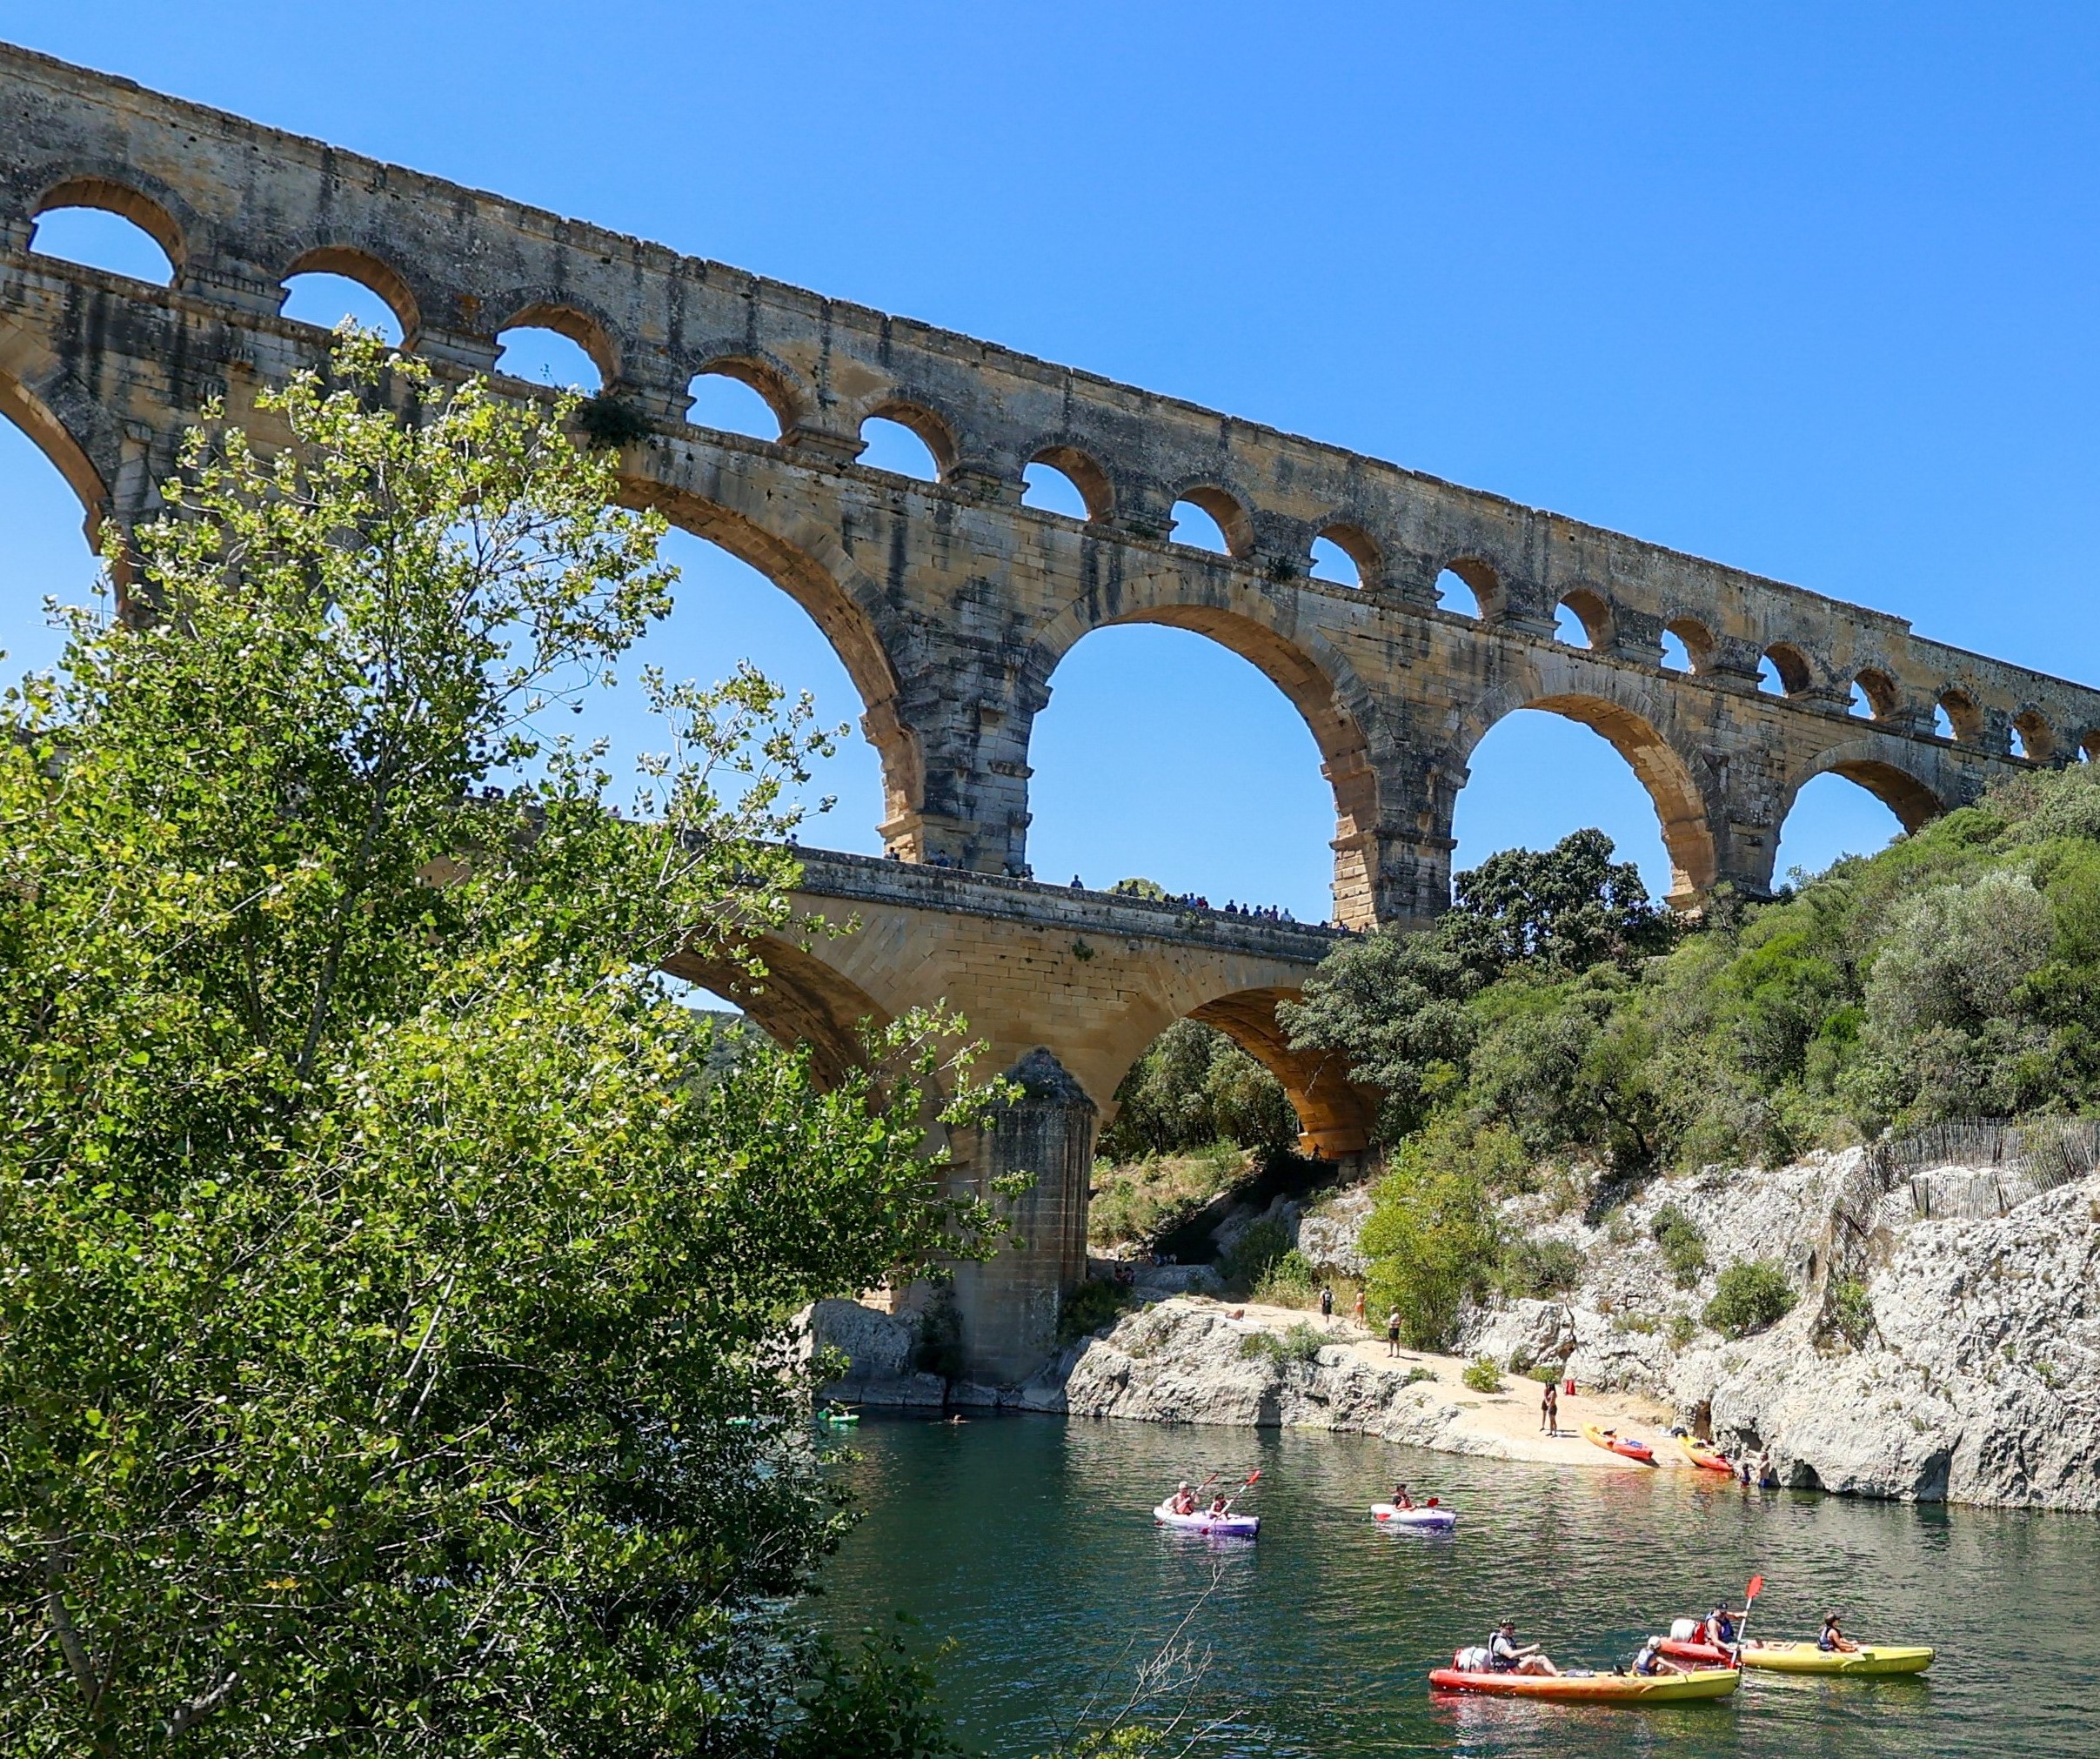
(1483, 1375)
(1302, 1343)
(1088, 1307)
(1194, 1087)
(1255, 1253)
(1683, 1245)
(1287, 1281)
(1750, 1297)
(1537, 1269)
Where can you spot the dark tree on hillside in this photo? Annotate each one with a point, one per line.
(1571, 906)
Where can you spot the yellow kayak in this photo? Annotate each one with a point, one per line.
(1868, 1658)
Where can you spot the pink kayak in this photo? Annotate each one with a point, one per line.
(1227, 1526)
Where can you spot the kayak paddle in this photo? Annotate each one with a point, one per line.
(1750, 1600)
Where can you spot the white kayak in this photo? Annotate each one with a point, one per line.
(1227, 1526)
(1438, 1520)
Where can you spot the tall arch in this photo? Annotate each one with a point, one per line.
(796, 999)
(1317, 681)
(1894, 771)
(1630, 720)
(1335, 1117)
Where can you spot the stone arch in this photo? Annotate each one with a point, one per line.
(156, 212)
(1699, 644)
(795, 999)
(1795, 674)
(1483, 580)
(1902, 778)
(590, 330)
(1228, 509)
(1096, 487)
(774, 379)
(50, 414)
(1335, 1117)
(1341, 714)
(368, 271)
(1964, 714)
(808, 562)
(1359, 545)
(1883, 695)
(2038, 742)
(1594, 612)
(935, 432)
(1630, 717)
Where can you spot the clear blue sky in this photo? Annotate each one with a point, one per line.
(1808, 289)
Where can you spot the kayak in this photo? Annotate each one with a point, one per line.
(1868, 1658)
(1708, 1654)
(1226, 1526)
(1699, 1455)
(1593, 1688)
(1624, 1446)
(838, 1419)
(1439, 1518)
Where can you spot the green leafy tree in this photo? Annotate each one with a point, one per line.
(1192, 1087)
(394, 1294)
(1569, 907)
(1433, 1236)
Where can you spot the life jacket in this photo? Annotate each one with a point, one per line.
(1823, 1639)
(1498, 1663)
(1644, 1663)
(1721, 1631)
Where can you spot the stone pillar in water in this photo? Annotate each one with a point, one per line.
(1008, 1308)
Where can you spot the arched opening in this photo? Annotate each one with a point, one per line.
(2034, 738)
(2088, 747)
(1784, 670)
(49, 551)
(795, 999)
(1163, 752)
(1208, 519)
(557, 346)
(1345, 556)
(906, 443)
(1874, 695)
(1469, 588)
(1583, 619)
(1844, 811)
(96, 235)
(731, 402)
(1958, 717)
(1688, 646)
(1562, 764)
(326, 286)
(326, 301)
(1063, 479)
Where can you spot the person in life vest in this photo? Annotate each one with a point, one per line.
(1651, 1659)
(1400, 1499)
(1718, 1628)
(1830, 1638)
(1221, 1506)
(1506, 1655)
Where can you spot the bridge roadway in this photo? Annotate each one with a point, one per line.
(1066, 988)
(951, 602)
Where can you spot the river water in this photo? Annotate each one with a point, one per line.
(1028, 1542)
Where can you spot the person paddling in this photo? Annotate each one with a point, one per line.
(1719, 1628)
(1506, 1655)
(1400, 1499)
(1220, 1505)
(1184, 1499)
(1833, 1640)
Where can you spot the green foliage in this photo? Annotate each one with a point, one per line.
(1089, 1306)
(610, 422)
(1418, 1374)
(1851, 1311)
(1139, 888)
(1683, 1329)
(873, 1701)
(1683, 1245)
(395, 1283)
(1194, 1087)
(1539, 1269)
(1255, 1253)
(1546, 1374)
(1955, 974)
(1302, 1342)
(1142, 1200)
(1432, 1235)
(1749, 1296)
(1287, 1281)
(1483, 1375)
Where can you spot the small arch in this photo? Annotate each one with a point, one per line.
(2088, 747)
(1206, 518)
(1590, 612)
(1785, 671)
(1064, 479)
(1695, 640)
(1345, 554)
(2037, 740)
(103, 225)
(334, 263)
(536, 358)
(732, 398)
(1875, 695)
(1335, 1117)
(1956, 717)
(907, 441)
(1469, 587)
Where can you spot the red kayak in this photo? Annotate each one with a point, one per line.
(1593, 1689)
(1707, 1655)
(1624, 1446)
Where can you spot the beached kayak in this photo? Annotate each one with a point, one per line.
(1699, 1455)
(1625, 1445)
(1439, 1518)
(1593, 1689)
(1868, 1658)
(1224, 1526)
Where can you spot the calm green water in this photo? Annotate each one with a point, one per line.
(1028, 1541)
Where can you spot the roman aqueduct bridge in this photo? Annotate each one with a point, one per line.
(951, 604)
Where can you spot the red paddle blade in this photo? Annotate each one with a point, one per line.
(1755, 1589)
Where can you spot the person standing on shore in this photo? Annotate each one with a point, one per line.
(1549, 1408)
(1360, 1309)
(1393, 1333)
(1326, 1303)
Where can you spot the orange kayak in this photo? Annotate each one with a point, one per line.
(1699, 1455)
(1625, 1445)
(1593, 1689)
